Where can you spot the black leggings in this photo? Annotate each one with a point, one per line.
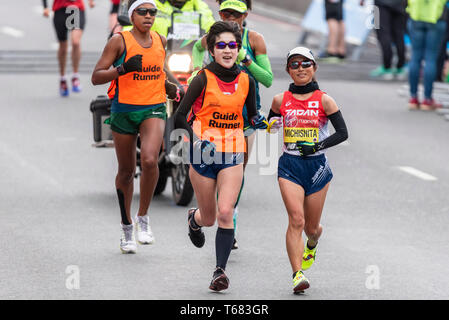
(392, 30)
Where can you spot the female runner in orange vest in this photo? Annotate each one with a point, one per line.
(215, 100)
(303, 171)
(138, 107)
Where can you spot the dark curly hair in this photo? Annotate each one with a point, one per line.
(247, 2)
(220, 27)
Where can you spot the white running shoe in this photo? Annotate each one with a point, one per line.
(128, 241)
(144, 233)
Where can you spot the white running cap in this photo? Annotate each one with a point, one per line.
(301, 51)
(138, 3)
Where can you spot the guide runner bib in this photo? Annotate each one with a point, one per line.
(144, 88)
(220, 118)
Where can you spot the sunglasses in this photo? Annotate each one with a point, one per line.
(304, 64)
(222, 45)
(228, 13)
(144, 11)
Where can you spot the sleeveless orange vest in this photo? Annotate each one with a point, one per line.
(220, 118)
(146, 87)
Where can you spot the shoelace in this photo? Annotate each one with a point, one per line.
(76, 82)
(143, 224)
(299, 276)
(128, 234)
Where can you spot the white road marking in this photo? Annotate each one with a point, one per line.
(418, 173)
(13, 32)
(20, 161)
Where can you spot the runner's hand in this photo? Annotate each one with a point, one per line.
(241, 56)
(91, 3)
(259, 122)
(133, 64)
(172, 91)
(208, 147)
(274, 125)
(306, 148)
(46, 12)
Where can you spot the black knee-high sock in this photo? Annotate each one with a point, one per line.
(121, 202)
(223, 244)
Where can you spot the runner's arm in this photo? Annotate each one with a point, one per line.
(261, 67)
(275, 110)
(193, 92)
(198, 54)
(44, 3)
(336, 118)
(250, 102)
(103, 73)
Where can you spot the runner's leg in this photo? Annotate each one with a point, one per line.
(62, 57)
(75, 36)
(313, 208)
(125, 149)
(151, 135)
(205, 192)
(293, 197)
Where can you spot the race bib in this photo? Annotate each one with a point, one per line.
(186, 26)
(291, 135)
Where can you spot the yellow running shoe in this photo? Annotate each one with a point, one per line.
(308, 258)
(300, 282)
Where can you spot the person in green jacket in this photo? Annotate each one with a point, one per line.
(184, 24)
(178, 13)
(426, 29)
(252, 59)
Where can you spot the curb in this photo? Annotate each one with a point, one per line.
(277, 13)
(267, 11)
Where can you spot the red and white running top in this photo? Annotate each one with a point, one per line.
(303, 120)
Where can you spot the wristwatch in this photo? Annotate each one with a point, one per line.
(121, 70)
(246, 59)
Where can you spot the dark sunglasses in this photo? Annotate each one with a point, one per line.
(228, 13)
(304, 64)
(144, 11)
(222, 45)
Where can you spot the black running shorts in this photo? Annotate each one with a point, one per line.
(334, 9)
(114, 8)
(68, 19)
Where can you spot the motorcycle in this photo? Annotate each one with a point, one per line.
(179, 67)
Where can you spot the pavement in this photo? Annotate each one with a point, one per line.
(384, 219)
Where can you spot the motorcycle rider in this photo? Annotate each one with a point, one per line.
(176, 11)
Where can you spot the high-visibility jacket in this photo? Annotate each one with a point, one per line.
(426, 10)
(166, 14)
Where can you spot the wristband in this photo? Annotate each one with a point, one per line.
(246, 59)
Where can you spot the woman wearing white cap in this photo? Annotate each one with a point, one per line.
(138, 107)
(303, 171)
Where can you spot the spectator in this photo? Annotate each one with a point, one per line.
(336, 47)
(426, 29)
(442, 57)
(391, 30)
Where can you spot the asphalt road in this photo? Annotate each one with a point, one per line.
(385, 225)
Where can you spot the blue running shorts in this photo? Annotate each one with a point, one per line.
(312, 172)
(221, 160)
